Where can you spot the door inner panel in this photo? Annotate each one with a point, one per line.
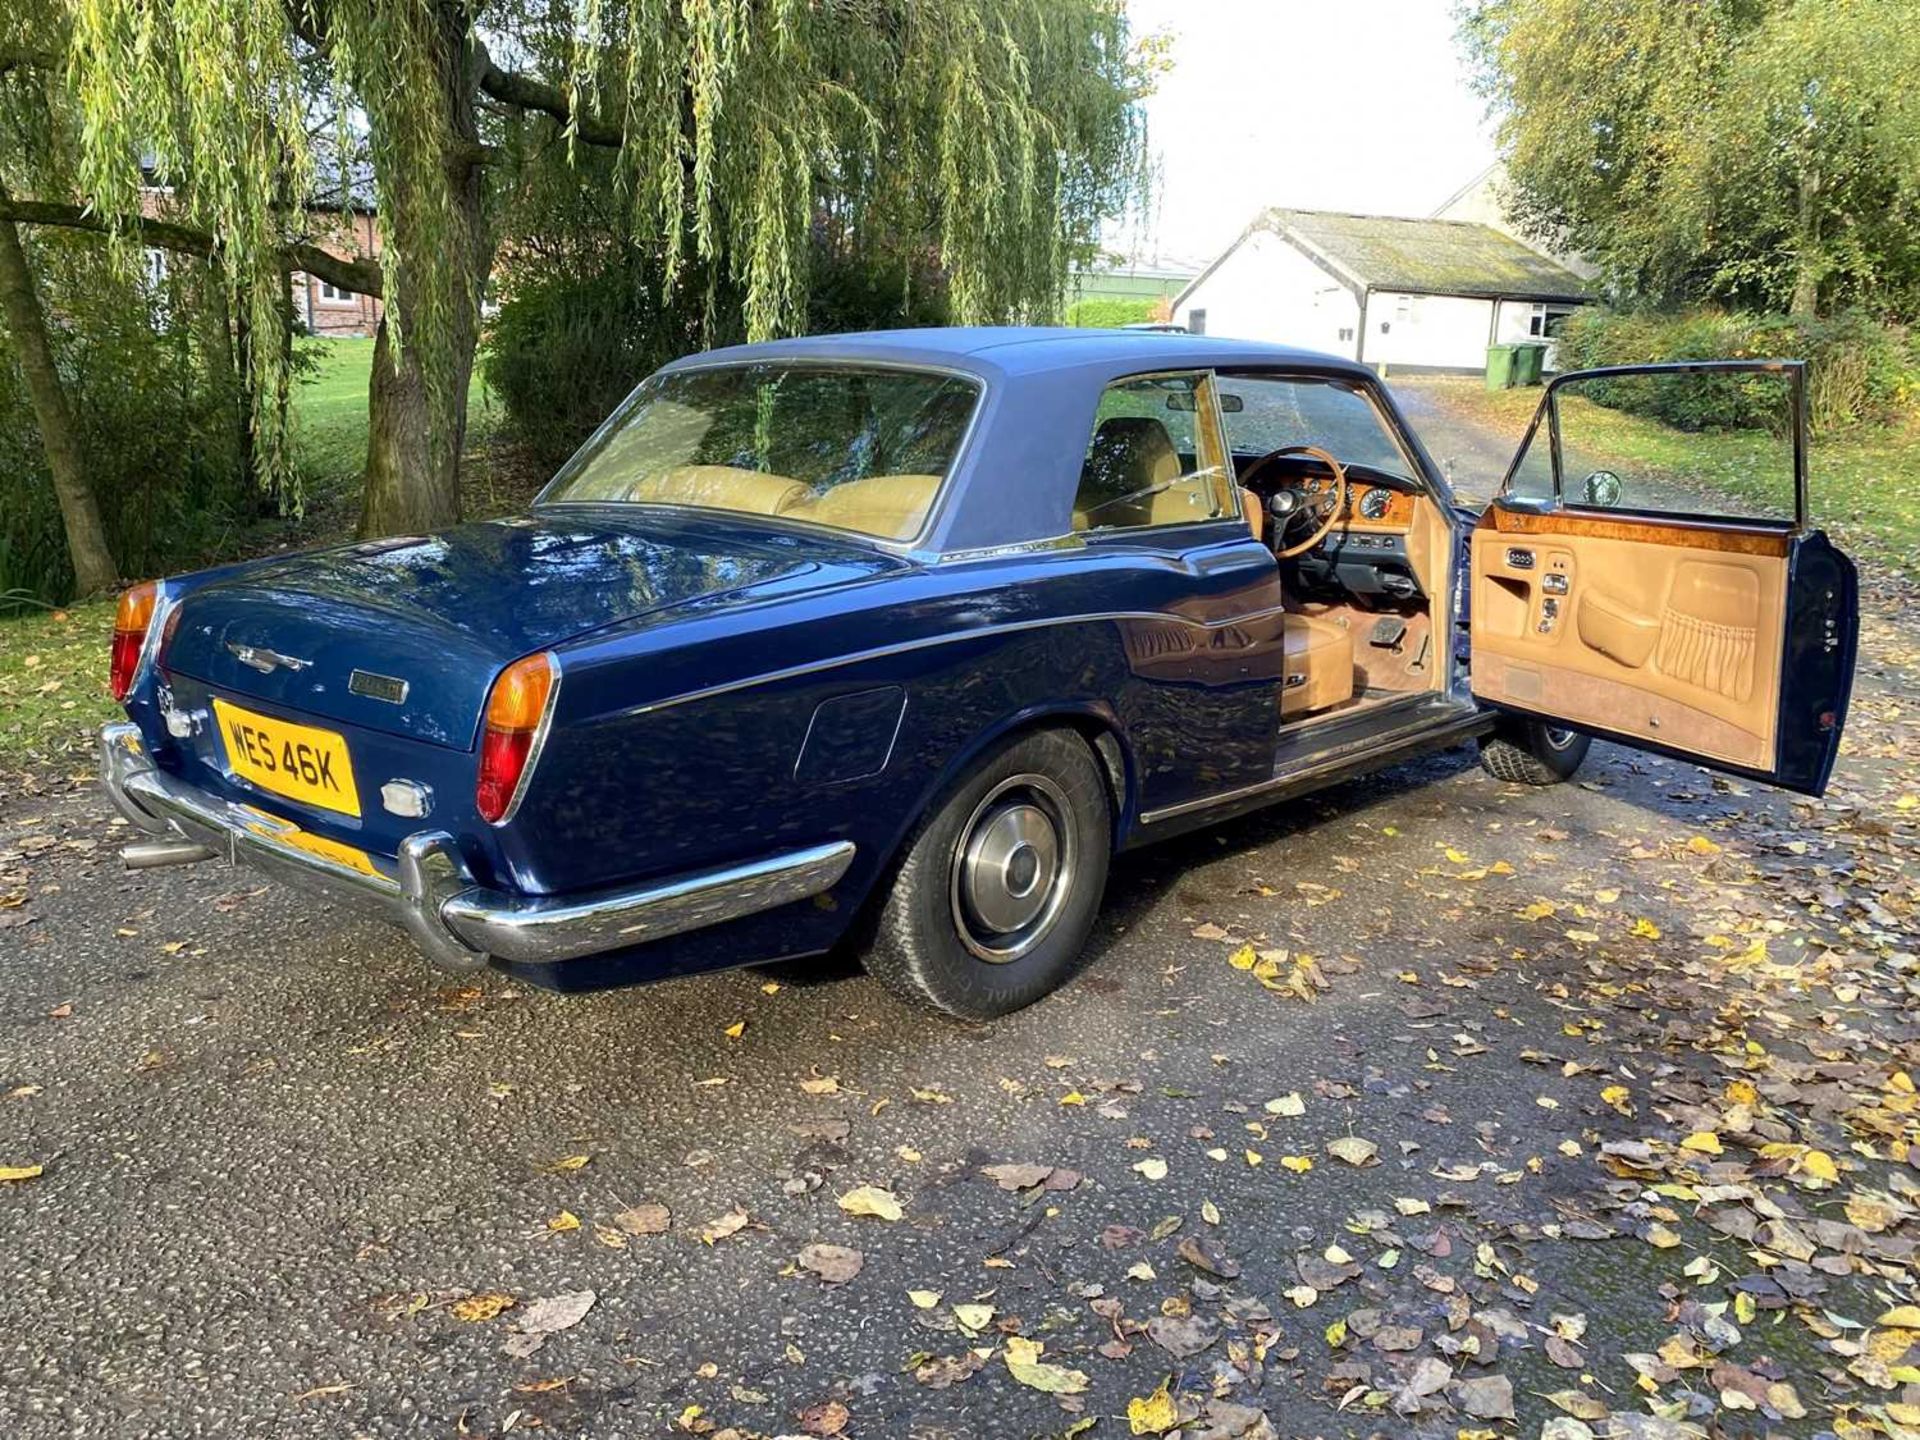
(1667, 633)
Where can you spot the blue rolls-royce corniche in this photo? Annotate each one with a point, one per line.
(893, 640)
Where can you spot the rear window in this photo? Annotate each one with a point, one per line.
(859, 448)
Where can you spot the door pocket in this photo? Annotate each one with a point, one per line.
(1616, 630)
(1708, 634)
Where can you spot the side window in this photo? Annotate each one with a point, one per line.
(1712, 442)
(1155, 456)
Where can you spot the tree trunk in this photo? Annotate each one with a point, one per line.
(93, 567)
(226, 372)
(1806, 271)
(417, 428)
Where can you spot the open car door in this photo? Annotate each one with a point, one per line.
(1610, 596)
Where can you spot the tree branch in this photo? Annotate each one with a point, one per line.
(362, 277)
(523, 92)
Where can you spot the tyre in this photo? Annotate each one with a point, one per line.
(1531, 752)
(997, 893)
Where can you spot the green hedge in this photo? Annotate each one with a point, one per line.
(1858, 370)
(1110, 314)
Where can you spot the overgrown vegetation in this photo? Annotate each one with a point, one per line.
(1859, 371)
(151, 384)
(1764, 153)
(584, 315)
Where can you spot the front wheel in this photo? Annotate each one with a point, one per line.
(1532, 752)
(1001, 882)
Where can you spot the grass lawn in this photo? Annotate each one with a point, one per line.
(53, 686)
(53, 665)
(1863, 483)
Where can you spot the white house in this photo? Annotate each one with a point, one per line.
(1404, 294)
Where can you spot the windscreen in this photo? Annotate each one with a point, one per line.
(860, 448)
(1302, 410)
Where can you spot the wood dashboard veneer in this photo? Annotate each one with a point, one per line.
(1397, 521)
(1728, 537)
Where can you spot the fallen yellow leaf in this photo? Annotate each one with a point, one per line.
(872, 1200)
(484, 1306)
(1023, 1361)
(1152, 1414)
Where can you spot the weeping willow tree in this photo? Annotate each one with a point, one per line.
(1001, 131)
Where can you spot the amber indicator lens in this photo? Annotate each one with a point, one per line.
(514, 711)
(130, 624)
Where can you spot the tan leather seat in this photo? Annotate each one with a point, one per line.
(1129, 454)
(1319, 665)
(894, 506)
(722, 487)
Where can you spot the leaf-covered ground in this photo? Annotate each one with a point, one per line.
(1428, 1107)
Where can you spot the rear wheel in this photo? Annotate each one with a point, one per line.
(1001, 883)
(1532, 752)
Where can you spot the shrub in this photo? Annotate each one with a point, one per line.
(153, 397)
(1111, 314)
(569, 342)
(1858, 370)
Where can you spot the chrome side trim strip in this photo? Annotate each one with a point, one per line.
(1332, 764)
(458, 925)
(927, 642)
(540, 931)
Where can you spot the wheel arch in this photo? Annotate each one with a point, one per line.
(1095, 723)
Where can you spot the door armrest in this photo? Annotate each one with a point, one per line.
(1616, 630)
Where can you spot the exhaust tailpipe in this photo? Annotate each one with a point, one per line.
(151, 854)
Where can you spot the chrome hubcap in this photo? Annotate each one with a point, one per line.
(1013, 868)
(1560, 739)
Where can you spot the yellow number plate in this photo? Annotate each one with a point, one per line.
(296, 761)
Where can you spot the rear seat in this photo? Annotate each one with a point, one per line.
(723, 487)
(894, 506)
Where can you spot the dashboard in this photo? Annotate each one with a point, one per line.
(1370, 507)
(1365, 553)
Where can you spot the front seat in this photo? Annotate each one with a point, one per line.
(1319, 665)
(1129, 454)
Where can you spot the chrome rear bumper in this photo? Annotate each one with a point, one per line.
(456, 922)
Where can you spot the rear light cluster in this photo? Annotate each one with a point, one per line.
(517, 712)
(130, 625)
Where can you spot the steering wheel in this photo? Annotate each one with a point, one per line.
(1331, 507)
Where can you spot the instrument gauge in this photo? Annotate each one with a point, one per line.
(1376, 502)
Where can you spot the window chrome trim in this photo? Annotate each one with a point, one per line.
(984, 393)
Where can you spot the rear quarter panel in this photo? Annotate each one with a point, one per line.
(751, 729)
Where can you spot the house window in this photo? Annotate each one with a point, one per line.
(1346, 332)
(1197, 322)
(333, 295)
(1545, 321)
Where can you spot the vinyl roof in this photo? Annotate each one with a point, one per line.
(1421, 257)
(996, 350)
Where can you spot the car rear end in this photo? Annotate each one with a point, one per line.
(324, 741)
(369, 720)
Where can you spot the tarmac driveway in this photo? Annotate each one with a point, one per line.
(1410, 1109)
